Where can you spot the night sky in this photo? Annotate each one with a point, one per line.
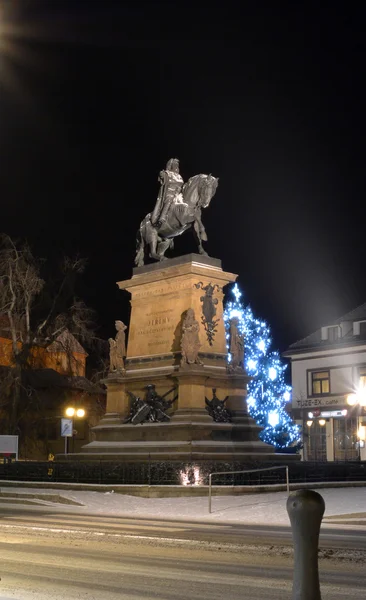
(96, 96)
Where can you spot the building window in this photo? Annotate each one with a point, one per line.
(333, 334)
(362, 382)
(320, 383)
(363, 329)
(345, 439)
(315, 443)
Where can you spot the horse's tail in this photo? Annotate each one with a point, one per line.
(140, 249)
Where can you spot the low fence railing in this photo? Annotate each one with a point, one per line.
(246, 471)
(152, 472)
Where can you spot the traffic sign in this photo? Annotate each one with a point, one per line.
(67, 427)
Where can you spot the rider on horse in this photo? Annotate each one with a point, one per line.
(171, 184)
(177, 208)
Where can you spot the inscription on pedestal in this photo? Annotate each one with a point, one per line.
(159, 325)
(157, 291)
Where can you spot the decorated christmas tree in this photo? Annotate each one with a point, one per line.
(268, 392)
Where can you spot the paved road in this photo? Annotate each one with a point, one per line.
(60, 565)
(330, 537)
(56, 556)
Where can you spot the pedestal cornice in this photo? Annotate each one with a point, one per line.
(190, 264)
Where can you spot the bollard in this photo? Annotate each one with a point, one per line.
(305, 509)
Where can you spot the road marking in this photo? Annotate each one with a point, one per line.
(59, 529)
(150, 525)
(118, 520)
(95, 533)
(102, 533)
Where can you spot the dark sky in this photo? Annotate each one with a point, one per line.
(95, 96)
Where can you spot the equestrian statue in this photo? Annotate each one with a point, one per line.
(178, 208)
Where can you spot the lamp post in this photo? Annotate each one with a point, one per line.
(71, 413)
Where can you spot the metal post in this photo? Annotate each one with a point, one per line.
(209, 492)
(305, 509)
(287, 482)
(65, 444)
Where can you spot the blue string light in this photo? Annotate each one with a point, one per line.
(268, 392)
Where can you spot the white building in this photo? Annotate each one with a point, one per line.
(328, 371)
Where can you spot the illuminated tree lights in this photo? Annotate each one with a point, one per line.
(268, 393)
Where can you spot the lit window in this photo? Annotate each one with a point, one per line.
(320, 381)
(362, 377)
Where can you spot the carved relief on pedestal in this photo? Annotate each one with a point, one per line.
(117, 349)
(190, 342)
(209, 304)
(236, 347)
(153, 409)
(216, 409)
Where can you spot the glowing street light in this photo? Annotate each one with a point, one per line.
(357, 398)
(75, 412)
(71, 412)
(352, 399)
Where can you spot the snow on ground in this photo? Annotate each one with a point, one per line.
(264, 508)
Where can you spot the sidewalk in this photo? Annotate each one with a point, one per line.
(345, 506)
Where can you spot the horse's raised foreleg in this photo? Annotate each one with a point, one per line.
(200, 234)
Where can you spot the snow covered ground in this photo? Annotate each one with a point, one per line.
(264, 508)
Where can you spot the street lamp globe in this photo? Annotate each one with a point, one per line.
(352, 399)
(70, 411)
(80, 413)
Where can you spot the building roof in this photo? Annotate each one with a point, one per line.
(66, 342)
(314, 340)
(357, 314)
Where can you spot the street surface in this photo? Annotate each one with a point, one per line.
(48, 555)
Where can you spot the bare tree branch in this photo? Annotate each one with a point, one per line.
(35, 313)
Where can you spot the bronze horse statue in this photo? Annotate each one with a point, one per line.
(183, 214)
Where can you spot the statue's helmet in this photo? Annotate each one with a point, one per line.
(173, 165)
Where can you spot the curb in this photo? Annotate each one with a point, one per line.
(174, 491)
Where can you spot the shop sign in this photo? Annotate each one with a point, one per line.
(333, 413)
(319, 402)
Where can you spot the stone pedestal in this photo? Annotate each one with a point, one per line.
(160, 295)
